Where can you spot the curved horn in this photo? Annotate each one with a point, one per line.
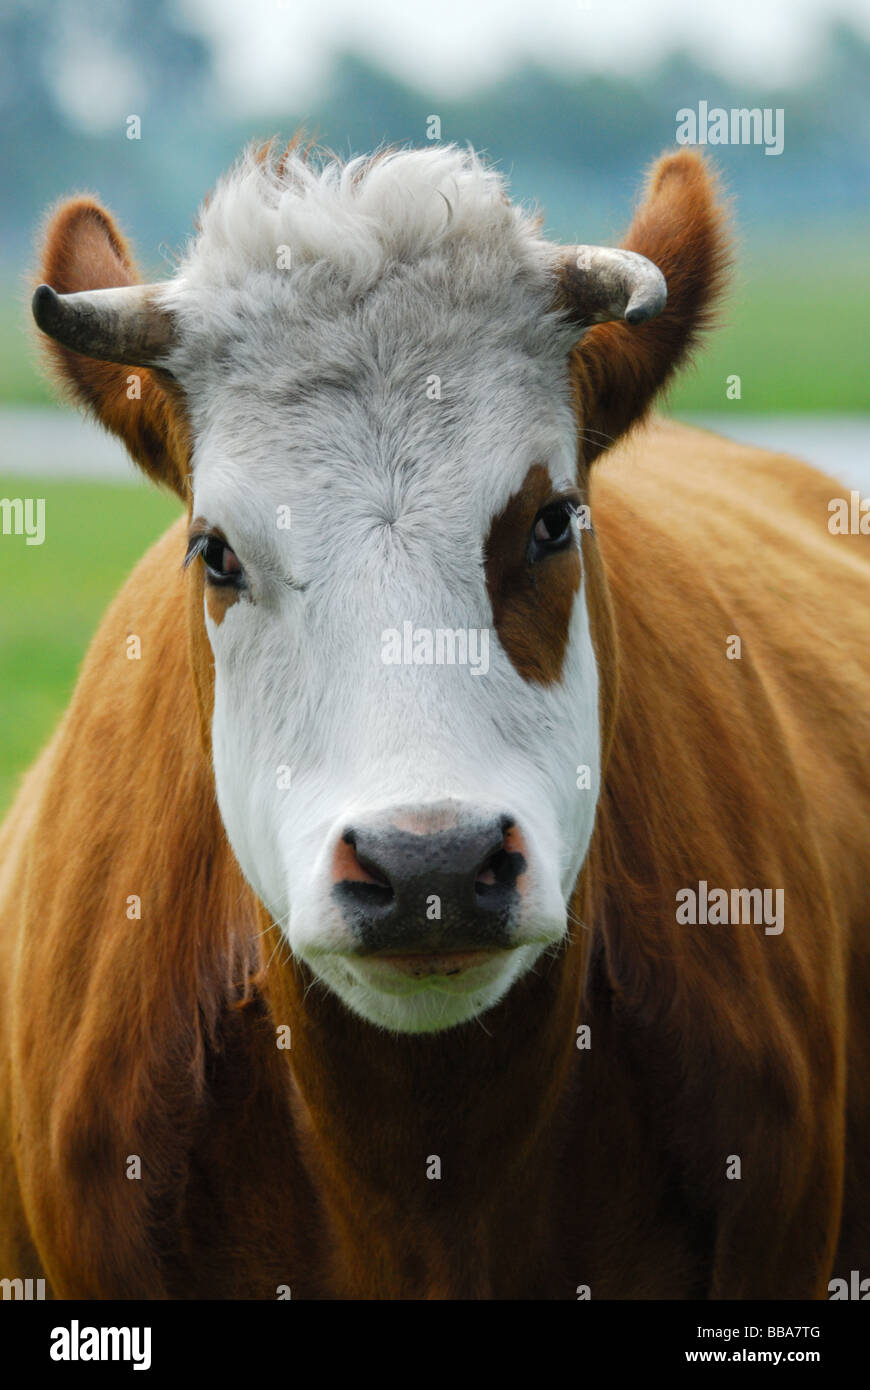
(599, 284)
(117, 325)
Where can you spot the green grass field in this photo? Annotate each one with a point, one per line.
(54, 596)
(794, 328)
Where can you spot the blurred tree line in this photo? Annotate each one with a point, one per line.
(70, 75)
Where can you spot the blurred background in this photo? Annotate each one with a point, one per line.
(572, 99)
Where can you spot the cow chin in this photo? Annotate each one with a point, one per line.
(423, 994)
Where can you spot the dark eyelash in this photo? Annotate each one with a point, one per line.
(570, 497)
(195, 546)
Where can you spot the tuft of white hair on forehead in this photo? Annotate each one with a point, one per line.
(362, 217)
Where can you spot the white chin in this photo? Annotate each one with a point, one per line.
(402, 1004)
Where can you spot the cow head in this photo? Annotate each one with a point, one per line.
(380, 391)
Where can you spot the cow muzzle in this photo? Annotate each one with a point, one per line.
(430, 892)
(421, 917)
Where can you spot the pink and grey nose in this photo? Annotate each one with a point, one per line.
(453, 887)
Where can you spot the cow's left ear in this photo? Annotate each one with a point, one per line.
(681, 228)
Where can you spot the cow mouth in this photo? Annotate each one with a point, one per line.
(417, 965)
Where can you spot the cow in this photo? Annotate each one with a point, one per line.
(450, 877)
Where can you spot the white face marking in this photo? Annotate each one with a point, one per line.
(303, 398)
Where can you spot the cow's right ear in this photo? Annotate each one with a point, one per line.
(104, 347)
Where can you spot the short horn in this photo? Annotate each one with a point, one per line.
(598, 284)
(124, 325)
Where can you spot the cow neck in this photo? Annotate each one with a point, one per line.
(378, 1113)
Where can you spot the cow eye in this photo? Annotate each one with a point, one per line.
(552, 529)
(221, 563)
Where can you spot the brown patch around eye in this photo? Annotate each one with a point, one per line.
(531, 603)
(218, 598)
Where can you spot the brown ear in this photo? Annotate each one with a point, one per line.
(681, 227)
(84, 250)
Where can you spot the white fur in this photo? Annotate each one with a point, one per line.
(307, 388)
(358, 217)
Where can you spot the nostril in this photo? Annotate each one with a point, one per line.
(361, 879)
(499, 869)
(366, 868)
(499, 872)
